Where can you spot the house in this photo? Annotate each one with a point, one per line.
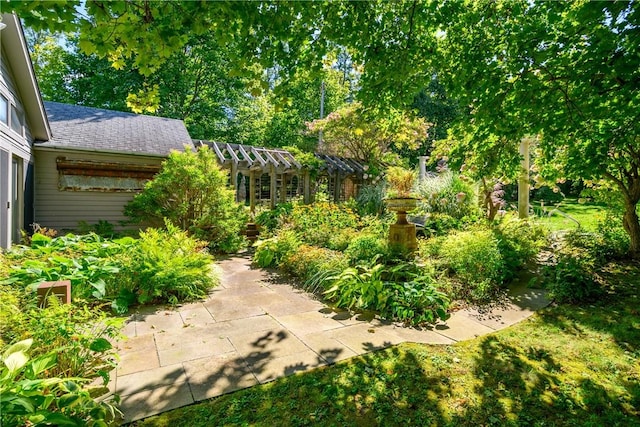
(22, 121)
(61, 164)
(96, 161)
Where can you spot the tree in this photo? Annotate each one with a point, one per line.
(566, 71)
(351, 132)
(191, 192)
(569, 72)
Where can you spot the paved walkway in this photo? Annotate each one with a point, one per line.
(254, 329)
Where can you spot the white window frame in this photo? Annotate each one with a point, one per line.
(19, 114)
(6, 109)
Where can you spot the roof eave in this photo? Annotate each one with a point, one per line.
(15, 47)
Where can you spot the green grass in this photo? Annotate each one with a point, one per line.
(565, 366)
(586, 215)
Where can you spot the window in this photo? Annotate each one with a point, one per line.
(4, 104)
(16, 120)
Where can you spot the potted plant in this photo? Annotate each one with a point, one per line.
(402, 234)
(400, 191)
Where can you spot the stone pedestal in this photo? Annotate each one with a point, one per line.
(402, 234)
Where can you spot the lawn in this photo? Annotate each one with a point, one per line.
(569, 214)
(565, 366)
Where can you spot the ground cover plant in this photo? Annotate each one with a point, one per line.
(565, 366)
(52, 354)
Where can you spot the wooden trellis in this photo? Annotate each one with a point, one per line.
(286, 177)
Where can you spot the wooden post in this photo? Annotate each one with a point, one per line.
(283, 188)
(272, 189)
(523, 182)
(306, 179)
(336, 188)
(234, 180)
(252, 192)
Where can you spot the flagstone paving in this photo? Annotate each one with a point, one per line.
(253, 329)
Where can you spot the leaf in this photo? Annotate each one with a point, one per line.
(21, 401)
(87, 46)
(58, 419)
(100, 345)
(42, 363)
(68, 400)
(100, 288)
(16, 361)
(23, 345)
(38, 240)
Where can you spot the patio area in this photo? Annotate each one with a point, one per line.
(255, 328)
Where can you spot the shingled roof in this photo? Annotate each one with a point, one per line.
(95, 129)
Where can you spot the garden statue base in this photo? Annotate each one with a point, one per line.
(402, 237)
(402, 234)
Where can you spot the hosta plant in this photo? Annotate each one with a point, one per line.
(30, 397)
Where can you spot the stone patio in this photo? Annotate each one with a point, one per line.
(254, 329)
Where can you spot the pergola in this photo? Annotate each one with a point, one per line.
(274, 174)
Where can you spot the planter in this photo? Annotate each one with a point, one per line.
(401, 204)
(402, 234)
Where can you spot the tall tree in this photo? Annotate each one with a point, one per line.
(569, 72)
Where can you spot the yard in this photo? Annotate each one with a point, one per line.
(326, 124)
(566, 366)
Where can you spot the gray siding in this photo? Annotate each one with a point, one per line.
(12, 145)
(63, 210)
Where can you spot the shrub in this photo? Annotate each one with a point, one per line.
(165, 266)
(570, 278)
(342, 238)
(87, 261)
(474, 258)
(448, 194)
(270, 219)
(81, 336)
(32, 396)
(311, 264)
(317, 223)
(519, 241)
(272, 252)
(615, 241)
(370, 199)
(398, 293)
(366, 247)
(191, 192)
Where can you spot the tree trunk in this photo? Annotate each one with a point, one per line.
(632, 226)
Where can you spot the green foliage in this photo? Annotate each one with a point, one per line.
(165, 266)
(572, 275)
(398, 292)
(366, 248)
(614, 242)
(84, 260)
(273, 251)
(473, 256)
(448, 194)
(370, 199)
(191, 192)
(312, 264)
(32, 396)
(270, 219)
(318, 223)
(102, 228)
(519, 241)
(351, 132)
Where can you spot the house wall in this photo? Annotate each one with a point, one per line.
(15, 163)
(63, 209)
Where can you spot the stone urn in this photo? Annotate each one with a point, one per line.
(402, 234)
